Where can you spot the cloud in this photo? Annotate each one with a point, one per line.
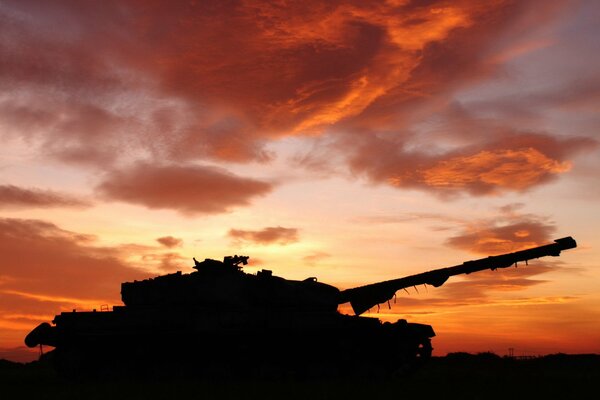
(335, 62)
(46, 270)
(315, 257)
(509, 169)
(42, 259)
(166, 262)
(17, 197)
(502, 239)
(177, 84)
(169, 241)
(409, 217)
(510, 231)
(508, 162)
(477, 289)
(187, 189)
(265, 236)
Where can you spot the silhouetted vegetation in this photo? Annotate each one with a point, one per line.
(458, 375)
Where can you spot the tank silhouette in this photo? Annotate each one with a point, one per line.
(222, 320)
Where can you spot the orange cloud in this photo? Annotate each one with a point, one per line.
(187, 189)
(16, 197)
(46, 270)
(169, 241)
(475, 290)
(168, 262)
(86, 303)
(189, 82)
(508, 169)
(491, 238)
(509, 162)
(313, 258)
(269, 235)
(41, 259)
(302, 68)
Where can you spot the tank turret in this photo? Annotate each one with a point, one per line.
(224, 285)
(220, 318)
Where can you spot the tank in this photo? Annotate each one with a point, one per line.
(222, 320)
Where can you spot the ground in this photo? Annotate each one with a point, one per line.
(458, 375)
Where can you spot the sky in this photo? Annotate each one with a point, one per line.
(352, 141)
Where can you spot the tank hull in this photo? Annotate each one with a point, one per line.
(221, 320)
(203, 342)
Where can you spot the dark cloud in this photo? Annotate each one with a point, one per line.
(579, 95)
(187, 189)
(17, 197)
(169, 241)
(269, 235)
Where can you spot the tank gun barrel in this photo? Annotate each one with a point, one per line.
(364, 297)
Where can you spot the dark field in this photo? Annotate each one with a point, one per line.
(460, 375)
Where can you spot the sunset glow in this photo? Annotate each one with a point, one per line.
(354, 142)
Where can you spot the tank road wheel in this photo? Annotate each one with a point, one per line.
(412, 358)
(424, 350)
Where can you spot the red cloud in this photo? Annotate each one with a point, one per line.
(178, 83)
(16, 197)
(330, 61)
(267, 235)
(187, 189)
(169, 241)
